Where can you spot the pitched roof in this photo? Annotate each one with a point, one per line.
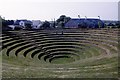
(89, 21)
(26, 21)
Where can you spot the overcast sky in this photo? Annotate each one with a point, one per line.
(50, 9)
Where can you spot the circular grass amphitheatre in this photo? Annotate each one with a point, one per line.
(67, 53)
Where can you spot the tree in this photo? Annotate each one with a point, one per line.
(4, 23)
(62, 21)
(0, 23)
(28, 26)
(10, 22)
(45, 25)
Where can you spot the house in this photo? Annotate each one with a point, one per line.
(84, 23)
(15, 27)
(12, 27)
(23, 23)
(36, 24)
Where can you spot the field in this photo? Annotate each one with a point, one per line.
(67, 53)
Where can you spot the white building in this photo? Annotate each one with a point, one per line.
(22, 23)
(36, 24)
(11, 26)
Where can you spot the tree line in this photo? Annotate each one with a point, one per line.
(59, 23)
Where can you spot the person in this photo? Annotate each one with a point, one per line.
(62, 32)
(56, 32)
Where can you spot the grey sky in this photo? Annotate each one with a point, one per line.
(49, 10)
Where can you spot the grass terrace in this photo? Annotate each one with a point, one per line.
(77, 53)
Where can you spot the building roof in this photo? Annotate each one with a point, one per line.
(26, 21)
(90, 22)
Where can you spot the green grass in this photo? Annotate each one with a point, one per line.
(93, 62)
(62, 60)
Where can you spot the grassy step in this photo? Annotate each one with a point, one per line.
(29, 50)
(32, 53)
(22, 48)
(10, 39)
(11, 43)
(13, 51)
(6, 37)
(15, 46)
(61, 43)
(109, 44)
(108, 47)
(49, 55)
(35, 52)
(61, 46)
(60, 56)
(62, 49)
